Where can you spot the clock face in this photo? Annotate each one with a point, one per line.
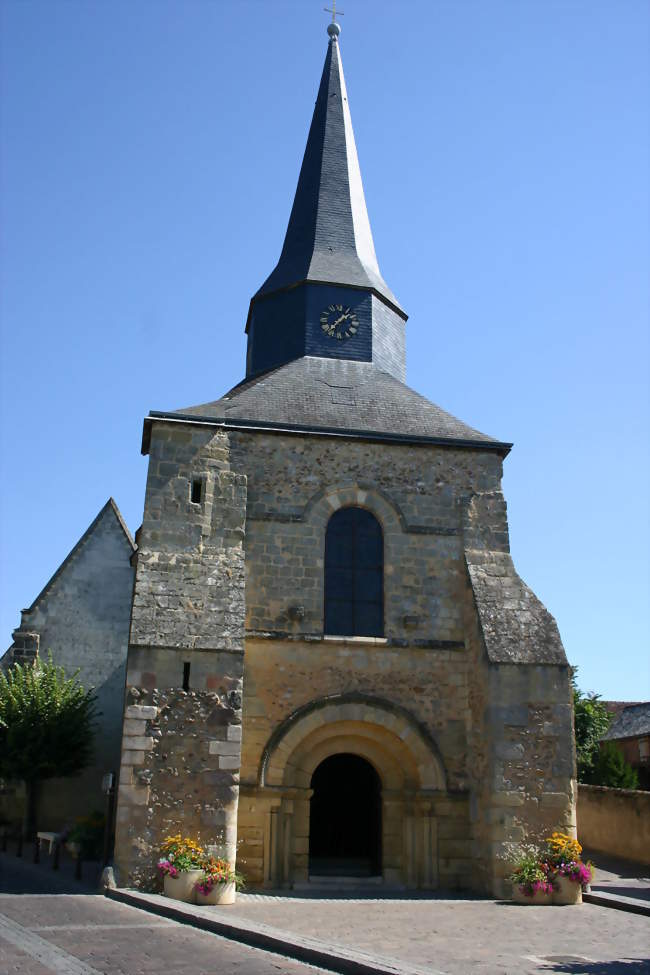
(339, 322)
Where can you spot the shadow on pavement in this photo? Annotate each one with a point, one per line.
(614, 868)
(19, 876)
(638, 893)
(629, 966)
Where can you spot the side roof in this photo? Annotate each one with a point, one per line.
(336, 397)
(109, 508)
(632, 721)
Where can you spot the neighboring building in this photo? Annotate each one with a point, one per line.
(81, 617)
(332, 659)
(630, 730)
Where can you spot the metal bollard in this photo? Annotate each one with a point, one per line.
(55, 858)
(37, 850)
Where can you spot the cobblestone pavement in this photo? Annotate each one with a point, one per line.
(458, 937)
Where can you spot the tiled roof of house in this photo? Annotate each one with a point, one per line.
(631, 722)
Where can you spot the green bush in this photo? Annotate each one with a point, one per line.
(610, 768)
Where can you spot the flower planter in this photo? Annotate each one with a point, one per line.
(220, 894)
(181, 888)
(567, 891)
(539, 898)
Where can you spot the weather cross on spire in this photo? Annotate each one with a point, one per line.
(332, 10)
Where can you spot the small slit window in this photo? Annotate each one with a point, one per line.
(186, 676)
(354, 574)
(196, 490)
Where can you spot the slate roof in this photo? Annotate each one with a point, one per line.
(328, 238)
(337, 396)
(631, 722)
(109, 508)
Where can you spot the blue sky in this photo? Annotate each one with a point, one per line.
(150, 151)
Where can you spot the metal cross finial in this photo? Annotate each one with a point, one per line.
(332, 10)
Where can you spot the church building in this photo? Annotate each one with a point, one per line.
(333, 667)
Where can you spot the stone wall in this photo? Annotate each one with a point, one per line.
(470, 659)
(82, 618)
(419, 495)
(430, 684)
(615, 821)
(181, 745)
(179, 774)
(521, 758)
(504, 734)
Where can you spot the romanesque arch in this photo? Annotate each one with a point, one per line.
(402, 753)
(322, 505)
(378, 725)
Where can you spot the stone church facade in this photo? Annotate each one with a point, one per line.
(333, 666)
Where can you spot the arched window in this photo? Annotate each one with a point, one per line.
(354, 574)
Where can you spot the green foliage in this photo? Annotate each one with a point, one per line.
(528, 869)
(46, 723)
(598, 764)
(88, 832)
(611, 769)
(531, 873)
(592, 719)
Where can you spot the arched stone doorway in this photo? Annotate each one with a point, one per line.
(345, 818)
(403, 756)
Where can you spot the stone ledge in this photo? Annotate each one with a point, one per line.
(389, 642)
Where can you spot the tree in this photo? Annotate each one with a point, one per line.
(611, 769)
(592, 719)
(598, 764)
(47, 723)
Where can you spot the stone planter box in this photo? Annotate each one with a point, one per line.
(220, 894)
(181, 888)
(567, 892)
(539, 898)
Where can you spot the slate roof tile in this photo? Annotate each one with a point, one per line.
(632, 721)
(340, 395)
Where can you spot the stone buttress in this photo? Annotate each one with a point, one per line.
(182, 729)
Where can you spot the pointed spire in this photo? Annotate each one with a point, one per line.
(328, 238)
